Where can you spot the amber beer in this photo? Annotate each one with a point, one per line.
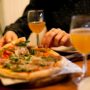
(80, 38)
(36, 27)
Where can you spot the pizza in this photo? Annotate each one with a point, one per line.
(18, 60)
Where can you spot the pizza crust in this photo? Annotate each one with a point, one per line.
(29, 75)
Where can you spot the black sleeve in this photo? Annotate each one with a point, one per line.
(20, 26)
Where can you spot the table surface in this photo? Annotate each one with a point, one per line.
(65, 85)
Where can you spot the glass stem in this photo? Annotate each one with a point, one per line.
(84, 64)
(37, 40)
(84, 70)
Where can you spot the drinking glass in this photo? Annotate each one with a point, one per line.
(36, 22)
(80, 39)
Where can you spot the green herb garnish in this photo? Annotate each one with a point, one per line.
(14, 59)
(23, 43)
(32, 51)
(7, 65)
(27, 57)
(50, 58)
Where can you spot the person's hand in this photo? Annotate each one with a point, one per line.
(8, 37)
(55, 38)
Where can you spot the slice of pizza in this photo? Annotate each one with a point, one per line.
(20, 61)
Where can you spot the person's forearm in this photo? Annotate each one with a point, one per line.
(20, 32)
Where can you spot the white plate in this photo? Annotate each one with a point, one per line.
(64, 49)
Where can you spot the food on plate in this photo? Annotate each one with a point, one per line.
(20, 61)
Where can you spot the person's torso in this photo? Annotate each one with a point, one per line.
(58, 14)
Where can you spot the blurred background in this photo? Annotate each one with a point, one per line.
(10, 10)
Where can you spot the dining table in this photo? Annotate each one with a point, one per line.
(66, 84)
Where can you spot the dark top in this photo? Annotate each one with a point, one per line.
(57, 14)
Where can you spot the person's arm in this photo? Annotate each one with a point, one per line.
(20, 26)
(56, 37)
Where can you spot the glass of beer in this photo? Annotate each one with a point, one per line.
(36, 22)
(80, 36)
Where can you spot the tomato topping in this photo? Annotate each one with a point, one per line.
(6, 54)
